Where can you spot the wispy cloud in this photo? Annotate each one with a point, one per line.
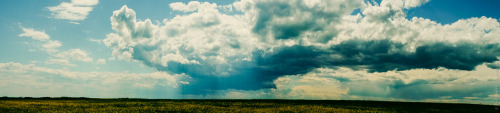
(76, 54)
(101, 61)
(51, 47)
(95, 40)
(64, 62)
(75, 10)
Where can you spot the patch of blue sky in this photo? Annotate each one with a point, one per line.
(450, 11)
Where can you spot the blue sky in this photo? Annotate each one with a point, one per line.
(403, 50)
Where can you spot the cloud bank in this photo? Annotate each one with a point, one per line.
(273, 39)
(32, 81)
(429, 85)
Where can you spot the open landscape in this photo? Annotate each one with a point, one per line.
(225, 105)
(249, 56)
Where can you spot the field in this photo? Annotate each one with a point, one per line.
(152, 105)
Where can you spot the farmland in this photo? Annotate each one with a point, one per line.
(185, 105)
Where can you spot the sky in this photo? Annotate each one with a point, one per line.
(390, 50)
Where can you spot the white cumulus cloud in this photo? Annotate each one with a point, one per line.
(201, 38)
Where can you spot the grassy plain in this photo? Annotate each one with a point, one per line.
(152, 105)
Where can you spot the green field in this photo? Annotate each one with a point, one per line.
(152, 105)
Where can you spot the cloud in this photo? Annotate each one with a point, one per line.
(74, 22)
(75, 54)
(101, 61)
(192, 6)
(51, 47)
(34, 34)
(66, 57)
(64, 62)
(184, 40)
(206, 45)
(29, 80)
(95, 40)
(414, 3)
(424, 85)
(311, 88)
(283, 19)
(416, 84)
(493, 66)
(273, 39)
(75, 10)
(85, 2)
(378, 56)
(402, 4)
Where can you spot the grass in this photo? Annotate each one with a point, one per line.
(152, 105)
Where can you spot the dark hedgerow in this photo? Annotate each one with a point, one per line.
(186, 105)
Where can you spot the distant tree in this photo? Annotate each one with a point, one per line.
(65, 97)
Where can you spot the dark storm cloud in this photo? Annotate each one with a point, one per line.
(377, 56)
(374, 55)
(384, 55)
(288, 60)
(206, 81)
(423, 89)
